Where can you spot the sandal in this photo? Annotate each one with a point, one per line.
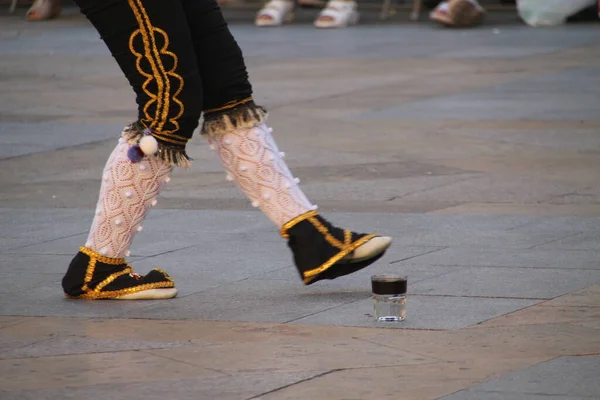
(441, 14)
(323, 251)
(337, 14)
(465, 13)
(93, 276)
(42, 10)
(276, 13)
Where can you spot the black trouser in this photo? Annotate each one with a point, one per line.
(180, 58)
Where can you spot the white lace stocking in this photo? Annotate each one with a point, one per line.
(254, 162)
(128, 190)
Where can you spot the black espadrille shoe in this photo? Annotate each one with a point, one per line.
(322, 251)
(92, 276)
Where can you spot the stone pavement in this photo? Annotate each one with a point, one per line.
(477, 150)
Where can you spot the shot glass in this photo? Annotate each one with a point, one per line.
(389, 297)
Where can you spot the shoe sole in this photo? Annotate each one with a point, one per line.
(367, 254)
(151, 294)
(352, 20)
(373, 247)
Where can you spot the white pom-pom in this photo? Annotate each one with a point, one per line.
(139, 228)
(128, 253)
(154, 202)
(149, 145)
(229, 177)
(255, 204)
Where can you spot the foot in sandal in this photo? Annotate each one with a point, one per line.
(276, 13)
(338, 14)
(458, 13)
(42, 10)
(466, 13)
(441, 14)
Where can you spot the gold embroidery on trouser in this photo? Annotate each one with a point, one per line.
(230, 105)
(163, 126)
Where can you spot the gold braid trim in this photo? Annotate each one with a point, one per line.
(89, 273)
(169, 139)
(347, 237)
(117, 293)
(167, 277)
(229, 105)
(99, 257)
(97, 293)
(325, 232)
(288, 225)
(309, 275)
(111, 278)
(159, 73)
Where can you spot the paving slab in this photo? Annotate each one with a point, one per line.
(223, 387)
(524, 283)
(423, 312)
(510, 258)
(52, 346)
(514, 100)
(27, 138)
(561, 378)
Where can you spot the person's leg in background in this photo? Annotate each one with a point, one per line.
(458, 13)
(42, 10)
(334, 13)
(235, 127)
(154, 50)
(466, 13)
(276, 13)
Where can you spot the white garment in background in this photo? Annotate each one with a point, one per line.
(550, 12)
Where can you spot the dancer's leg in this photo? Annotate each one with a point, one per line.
(154, 50)
(236, 128)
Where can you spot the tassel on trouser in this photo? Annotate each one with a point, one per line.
(127, 192)
(249, 154)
